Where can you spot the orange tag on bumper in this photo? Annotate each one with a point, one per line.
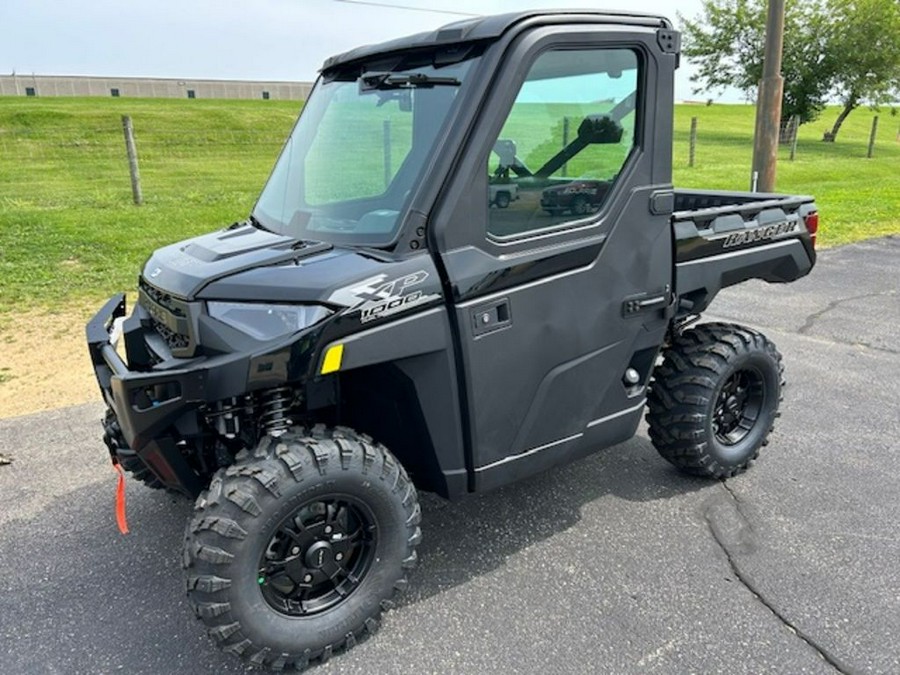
(120, 501)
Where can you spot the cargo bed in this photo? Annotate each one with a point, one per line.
(724, 238)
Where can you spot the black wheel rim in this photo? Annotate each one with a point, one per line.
(738, 406)
(318, 556)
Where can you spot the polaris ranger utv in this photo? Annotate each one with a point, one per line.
(377, 328)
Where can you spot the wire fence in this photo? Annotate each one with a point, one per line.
(77, 165)
(70, 163)
(155, 145)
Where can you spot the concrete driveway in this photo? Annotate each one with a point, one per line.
(614, 564)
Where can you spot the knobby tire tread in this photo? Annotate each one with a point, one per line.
(682, 388)
(219, 527)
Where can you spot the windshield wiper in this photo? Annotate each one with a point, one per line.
(254, 221)
(372, 81)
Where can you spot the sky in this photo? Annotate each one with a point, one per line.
(239, 39)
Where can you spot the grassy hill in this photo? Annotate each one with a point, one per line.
(68, 229)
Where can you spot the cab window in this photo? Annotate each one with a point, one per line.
(564, 142)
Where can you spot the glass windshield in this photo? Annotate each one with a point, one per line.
(357, 152)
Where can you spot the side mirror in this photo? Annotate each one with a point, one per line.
(602, 129)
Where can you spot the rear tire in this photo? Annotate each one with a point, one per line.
(714, 399)
(296, 548)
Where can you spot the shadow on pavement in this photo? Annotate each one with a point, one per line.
(101, 602)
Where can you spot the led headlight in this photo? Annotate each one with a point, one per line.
(266, 322)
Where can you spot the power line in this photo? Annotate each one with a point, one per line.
(413, 9)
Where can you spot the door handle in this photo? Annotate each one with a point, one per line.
(490, 316)
(645, 303)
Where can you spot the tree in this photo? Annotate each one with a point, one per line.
(844, 50)
(727, 43)
(865, 55)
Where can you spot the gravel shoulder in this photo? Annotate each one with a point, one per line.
(44, 362)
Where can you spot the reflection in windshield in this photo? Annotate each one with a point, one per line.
(356, 153)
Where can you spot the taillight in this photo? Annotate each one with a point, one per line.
(812, 225)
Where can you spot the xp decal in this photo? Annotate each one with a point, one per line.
(379, 297)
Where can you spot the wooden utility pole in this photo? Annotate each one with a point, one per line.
(132, 160)
(768, 103)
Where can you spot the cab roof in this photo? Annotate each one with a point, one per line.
(492, 27)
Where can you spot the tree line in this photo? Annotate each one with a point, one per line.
(843, 50)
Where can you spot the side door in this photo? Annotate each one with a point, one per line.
(560, 288)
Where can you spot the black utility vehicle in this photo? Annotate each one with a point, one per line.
(304, 373)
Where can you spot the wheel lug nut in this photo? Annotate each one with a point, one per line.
(307, 578)
(295, 550)
(338, 556)
(328, 529)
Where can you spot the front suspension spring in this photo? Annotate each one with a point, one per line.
(275, 406)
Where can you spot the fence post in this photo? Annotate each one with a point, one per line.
(565, 143)
(693, 150)
(386, 126)
(795, 128)
(132, 160)
(871, 150)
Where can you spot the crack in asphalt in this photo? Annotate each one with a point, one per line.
(815, 316)
(811, 319)
(823, 652)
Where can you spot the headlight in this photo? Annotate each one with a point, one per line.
(266, 322)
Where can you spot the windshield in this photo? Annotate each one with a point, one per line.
(357, 152)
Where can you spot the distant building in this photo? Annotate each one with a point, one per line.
(148, 87)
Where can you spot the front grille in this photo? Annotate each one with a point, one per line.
(175, 341)
(169, 317)
(163, 299)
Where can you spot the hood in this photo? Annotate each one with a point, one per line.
(185, 268)
(248, 264)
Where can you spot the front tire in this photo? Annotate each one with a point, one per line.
(295, 549)
(714, 399)
(134, 465)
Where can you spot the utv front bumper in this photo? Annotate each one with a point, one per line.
(146, 404)
(161, 401)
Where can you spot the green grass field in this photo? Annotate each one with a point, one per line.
(68, 230)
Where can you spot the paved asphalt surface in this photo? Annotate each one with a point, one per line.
(614, 564)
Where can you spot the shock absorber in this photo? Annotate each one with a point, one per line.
(275, 405)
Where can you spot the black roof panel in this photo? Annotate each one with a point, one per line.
(492, 27)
